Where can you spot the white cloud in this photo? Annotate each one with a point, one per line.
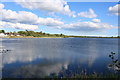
(30, 21)
(96, 20)
(86, 26)
(17, 25)
(1, 6)
(25, 19)
(58, 6)
(89, 14)
(49, 22)
(115, 9)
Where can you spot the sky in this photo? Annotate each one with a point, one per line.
(60, 16)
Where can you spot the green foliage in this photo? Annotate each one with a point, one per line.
(39, 34)
(2, 31)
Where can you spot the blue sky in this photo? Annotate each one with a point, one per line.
(72, 18)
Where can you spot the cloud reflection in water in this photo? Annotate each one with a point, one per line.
(51, 55)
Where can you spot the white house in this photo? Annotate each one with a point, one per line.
(2, 35)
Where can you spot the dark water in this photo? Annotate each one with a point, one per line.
(32, 58)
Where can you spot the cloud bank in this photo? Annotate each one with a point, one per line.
(30, 21)
(24, 20)
(96, 20)
(54, 6)
(86, 26)
(89, 14)
(115, 9)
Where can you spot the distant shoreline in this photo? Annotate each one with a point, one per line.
(40, 34)
(55, 37)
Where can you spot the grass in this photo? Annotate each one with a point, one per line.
(97, 76)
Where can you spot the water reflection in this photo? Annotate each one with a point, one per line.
(0, 59)
(41, 57)
(39, 70)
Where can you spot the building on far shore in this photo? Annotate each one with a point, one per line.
(9, 34)
(12, 34)
(2, 35)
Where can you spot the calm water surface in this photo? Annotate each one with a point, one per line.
(42, 57)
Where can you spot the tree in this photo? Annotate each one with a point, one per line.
(22, 32)
(2, 31)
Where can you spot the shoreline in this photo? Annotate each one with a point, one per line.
(54, 37)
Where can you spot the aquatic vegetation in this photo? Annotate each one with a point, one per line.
(4, 50)
(83, 76)
(115, 65)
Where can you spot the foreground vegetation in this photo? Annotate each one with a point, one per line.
(97, 76)
(114, 65)
(32, 34)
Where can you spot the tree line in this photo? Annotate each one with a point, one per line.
(34, 34)
(39, 34)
